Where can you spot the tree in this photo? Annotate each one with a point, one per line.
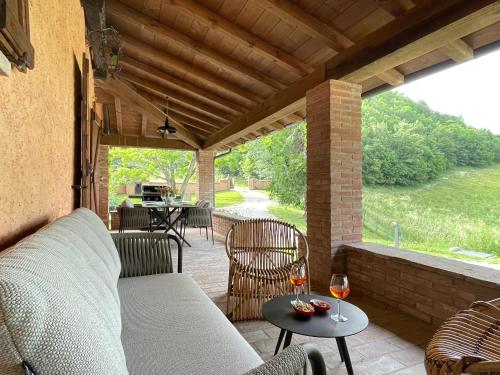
(130, 165)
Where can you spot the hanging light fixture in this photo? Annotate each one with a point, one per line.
(166, 128)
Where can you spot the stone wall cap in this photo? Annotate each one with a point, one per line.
(470, 272)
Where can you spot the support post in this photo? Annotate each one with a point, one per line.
(334, 162)
(205, 181)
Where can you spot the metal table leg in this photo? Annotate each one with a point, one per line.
(288, 339)
(280, 339)
(345, 354)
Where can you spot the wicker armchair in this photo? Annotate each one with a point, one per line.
(261, 254)
(199, 217)
(468, 342)
(134, 218)
(143, 254)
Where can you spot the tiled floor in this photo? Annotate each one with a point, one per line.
(392, 344)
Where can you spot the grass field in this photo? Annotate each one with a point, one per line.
(460, 209)
(227, 198)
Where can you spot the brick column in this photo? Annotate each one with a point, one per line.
(334, 212)
(205, 176)
(102, 182)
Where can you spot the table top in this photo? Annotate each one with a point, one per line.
(279, 312)
(153, 204)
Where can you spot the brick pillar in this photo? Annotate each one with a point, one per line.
(334, 212)
(102, 181)
(205, 176)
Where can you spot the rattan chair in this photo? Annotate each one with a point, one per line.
(468, 342)
(261, 254)
(134, 218)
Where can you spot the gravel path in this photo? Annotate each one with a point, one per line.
(254, 206)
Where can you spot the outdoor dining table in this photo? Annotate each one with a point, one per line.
(163, 212)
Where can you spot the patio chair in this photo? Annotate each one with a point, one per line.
(199, 217)
(261, 254)
(134, 218)
(468, 342)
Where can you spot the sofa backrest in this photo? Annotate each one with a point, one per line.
(59, 304)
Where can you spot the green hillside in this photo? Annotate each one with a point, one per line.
(459, 209)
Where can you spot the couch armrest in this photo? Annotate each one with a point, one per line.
(143, 254)
(292, 361)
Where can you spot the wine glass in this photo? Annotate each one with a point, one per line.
(298, 278)
(339, 287)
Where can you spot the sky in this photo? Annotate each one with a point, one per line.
(470, 90)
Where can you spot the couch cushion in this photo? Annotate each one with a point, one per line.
(170, 326)
(59, 305)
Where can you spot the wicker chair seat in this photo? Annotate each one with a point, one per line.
(468, 342)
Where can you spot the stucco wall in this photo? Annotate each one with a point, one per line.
(37, 122)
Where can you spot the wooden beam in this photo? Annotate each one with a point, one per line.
(192, 122)
(392, 76)
(138, 48)
(144, 125)
(128, 95)
(131, 141)
(247, 39)
(401, 40)
(228, 106)
(419, 31)
(458, 50)
(118, 111)
(129, 15)
(164, 92)
(312, 26)
(273, 109)
(307, 23)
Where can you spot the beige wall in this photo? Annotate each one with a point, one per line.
(37, 119)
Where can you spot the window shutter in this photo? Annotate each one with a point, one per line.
(15, 33)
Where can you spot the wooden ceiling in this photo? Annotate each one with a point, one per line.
(234, 70)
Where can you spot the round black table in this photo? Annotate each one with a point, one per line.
(279, 312)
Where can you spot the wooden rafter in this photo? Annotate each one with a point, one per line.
(198, 93)
(312, 26)
(175, 96)
(131, 141)
(127, 94)
(130, 15)
(458, 50)
(138, 48)
(392, 76)
(252, 41)
(118, 112)
(418, 31)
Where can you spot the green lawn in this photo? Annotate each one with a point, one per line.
(228, 198)
(459, 209)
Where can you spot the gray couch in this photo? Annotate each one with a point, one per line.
(64, 310)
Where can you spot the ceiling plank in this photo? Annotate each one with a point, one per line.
(144, 125)
(130, 96)
(246, 38)
(421, 30)
(164, 92)
(118, 111)
(130, 15)
(131, 141)
(307, 23)
(418, 31)
(132, 64)
(315, 28)
(392, 76)
(137, 47)
(458, 50)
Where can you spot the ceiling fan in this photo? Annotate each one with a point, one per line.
(166, 128)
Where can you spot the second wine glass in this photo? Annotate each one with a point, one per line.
(339, 287)
(298, 278)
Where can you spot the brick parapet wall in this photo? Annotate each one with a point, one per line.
(427, 287)
(334, 159)
(222, 222)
